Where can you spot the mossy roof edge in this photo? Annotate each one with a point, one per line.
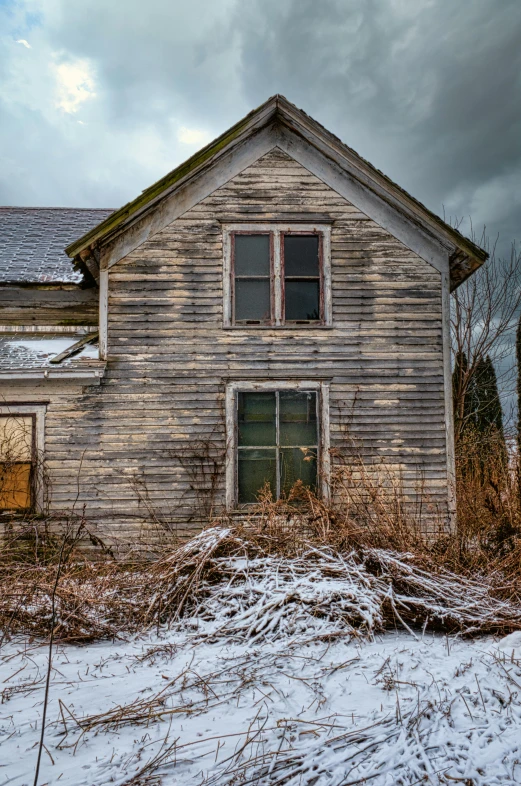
(275, 103)
(167, 182)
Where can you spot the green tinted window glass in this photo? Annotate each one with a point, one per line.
(277, 442)
(297, 464)
(255, 469)
(298, 418)
(252, 255)
(256, 419)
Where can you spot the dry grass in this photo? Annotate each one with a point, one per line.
(402, 564)
(257, 579)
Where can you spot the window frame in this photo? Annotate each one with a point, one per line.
(320, 387)
(277, 233)
(253, 323)
(37, 413)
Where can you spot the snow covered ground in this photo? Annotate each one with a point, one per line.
(398, 709)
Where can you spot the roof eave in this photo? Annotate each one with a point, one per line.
(462, 266)
(389, 190)
(467, 255)
(254, 121)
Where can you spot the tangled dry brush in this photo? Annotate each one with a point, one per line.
(239, 583)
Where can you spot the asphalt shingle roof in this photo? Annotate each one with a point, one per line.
(33, 242)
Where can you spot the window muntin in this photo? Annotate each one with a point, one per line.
(277, 442)
(291, 287)
(17, 451)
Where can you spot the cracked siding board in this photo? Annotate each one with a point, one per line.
(48, 306)
(170, 359)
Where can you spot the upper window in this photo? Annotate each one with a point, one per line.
(17, 457)
(277, 277)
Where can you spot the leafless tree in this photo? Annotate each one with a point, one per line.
(483, 323)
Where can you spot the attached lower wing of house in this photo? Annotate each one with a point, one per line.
(273, 309)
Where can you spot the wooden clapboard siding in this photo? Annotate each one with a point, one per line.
(169, 358)
(56, 305)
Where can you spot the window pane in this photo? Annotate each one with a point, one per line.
(297, 464)
(298, 418)
(255, 468)
(252, 255)
(15, 486)
(252, 299)
(16, 438)
(301, 255)
(302, 300)
(256, 419)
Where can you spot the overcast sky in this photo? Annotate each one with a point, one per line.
(100, 98)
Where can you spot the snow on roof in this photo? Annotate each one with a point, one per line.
(33, 241)
(34, 352)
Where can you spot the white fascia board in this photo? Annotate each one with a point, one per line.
(88, 376)
(188, 195)
(345, 183)
(339, 178)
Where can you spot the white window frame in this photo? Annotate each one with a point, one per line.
(276, 230)
(321, 387)
(38, 410)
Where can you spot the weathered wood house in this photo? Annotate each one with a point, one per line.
(225, 329)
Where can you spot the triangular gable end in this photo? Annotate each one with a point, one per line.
(277, 123)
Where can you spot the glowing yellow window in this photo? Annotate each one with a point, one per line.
(16, 461)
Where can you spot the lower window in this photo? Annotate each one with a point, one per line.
(17, 456)
(277, 442)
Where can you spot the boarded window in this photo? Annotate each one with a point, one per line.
(277, 442)
(16, 461)
(301, 278)
(252, 282)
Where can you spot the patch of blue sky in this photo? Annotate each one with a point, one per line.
(31, 19)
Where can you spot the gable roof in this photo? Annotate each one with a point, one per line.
(465, 256)
(32, 242)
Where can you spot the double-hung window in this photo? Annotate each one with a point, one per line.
(277, 437)
(277, 276)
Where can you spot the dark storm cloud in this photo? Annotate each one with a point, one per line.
(427, 91)
(99, 99)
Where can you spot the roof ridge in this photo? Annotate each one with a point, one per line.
(279, 109)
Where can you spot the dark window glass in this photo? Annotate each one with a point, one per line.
(252, 255)
(297, 464)
(277, 442)
(301, 255)
(252, 299)
(252, 278)
(302, 300)
(298, 418)
(301, 278)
